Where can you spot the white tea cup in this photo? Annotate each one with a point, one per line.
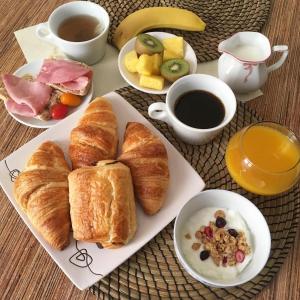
(90, 51)
(166, 111)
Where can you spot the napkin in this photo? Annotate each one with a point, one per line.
(107, 77)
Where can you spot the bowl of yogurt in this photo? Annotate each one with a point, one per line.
(221, 238)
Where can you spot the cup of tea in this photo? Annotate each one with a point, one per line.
(197, 107)
(79, 29)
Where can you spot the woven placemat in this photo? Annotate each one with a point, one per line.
(154, 272)
(222, 18)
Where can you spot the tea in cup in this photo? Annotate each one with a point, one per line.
(198, 107)
(79, 29)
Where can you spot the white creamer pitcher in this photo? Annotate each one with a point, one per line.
(242, 64)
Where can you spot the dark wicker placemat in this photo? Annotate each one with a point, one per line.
(154, 272)
(222, 17)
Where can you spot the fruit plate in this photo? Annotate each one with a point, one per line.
(33, 69)
(133, 78)
(84, 263)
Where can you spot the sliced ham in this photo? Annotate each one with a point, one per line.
(78, 84)
(69, 74)
(19, 109)
(26, 98)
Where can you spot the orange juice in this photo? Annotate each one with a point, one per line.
(264, 158)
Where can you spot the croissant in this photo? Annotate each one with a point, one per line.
(41, 190)
(102, 204)
(95, 138)
(146, 156)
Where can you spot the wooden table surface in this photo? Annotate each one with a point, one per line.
(27, 271)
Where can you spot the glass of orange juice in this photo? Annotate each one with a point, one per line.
(264, 158)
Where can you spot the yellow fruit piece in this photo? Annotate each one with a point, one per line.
(174, 45)
(153, 82)
(169, 55)
(156, 63)
(156, 17)
(130, 61)
(145, 65)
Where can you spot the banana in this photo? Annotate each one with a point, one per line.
(156, 17)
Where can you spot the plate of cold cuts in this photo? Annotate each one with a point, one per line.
(43, 92)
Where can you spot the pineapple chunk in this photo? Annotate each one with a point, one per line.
(169, 55)
(175, 46)
(149, 64)
(131, 60)
(153, 82)
(144, 65)
(156, 63)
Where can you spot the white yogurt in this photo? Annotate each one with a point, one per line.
(207, 267)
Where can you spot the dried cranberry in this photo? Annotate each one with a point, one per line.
(220, 222)
(204, 254)
(224, 261)
(208, 231)
(233, 232)
(239, 256)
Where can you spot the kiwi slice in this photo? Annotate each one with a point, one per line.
(148, 44)
(173, 69)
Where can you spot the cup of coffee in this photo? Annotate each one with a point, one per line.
(198, 107)
(79, 29)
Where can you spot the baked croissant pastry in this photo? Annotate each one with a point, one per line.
(41, 190)
(102, 204)
(95, 137)
(146, 156)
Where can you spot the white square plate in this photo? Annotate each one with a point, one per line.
(85, 263)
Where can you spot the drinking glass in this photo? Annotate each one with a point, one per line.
(264, 158)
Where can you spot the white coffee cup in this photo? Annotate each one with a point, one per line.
(165, 111)
(90, 51)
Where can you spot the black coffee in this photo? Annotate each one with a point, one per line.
(79, 28)
(199, 109)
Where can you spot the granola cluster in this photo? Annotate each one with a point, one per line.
(226, 246)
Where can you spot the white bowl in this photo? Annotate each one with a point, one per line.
(133, 78)
(260, 234)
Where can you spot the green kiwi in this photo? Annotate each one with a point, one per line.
(148, 44)
(173, 69)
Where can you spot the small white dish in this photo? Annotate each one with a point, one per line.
(33, 69)
(256, 223)
(133, 78)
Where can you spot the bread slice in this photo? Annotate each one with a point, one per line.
(3, 94)
(63, 89)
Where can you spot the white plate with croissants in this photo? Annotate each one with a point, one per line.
(96, 187)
